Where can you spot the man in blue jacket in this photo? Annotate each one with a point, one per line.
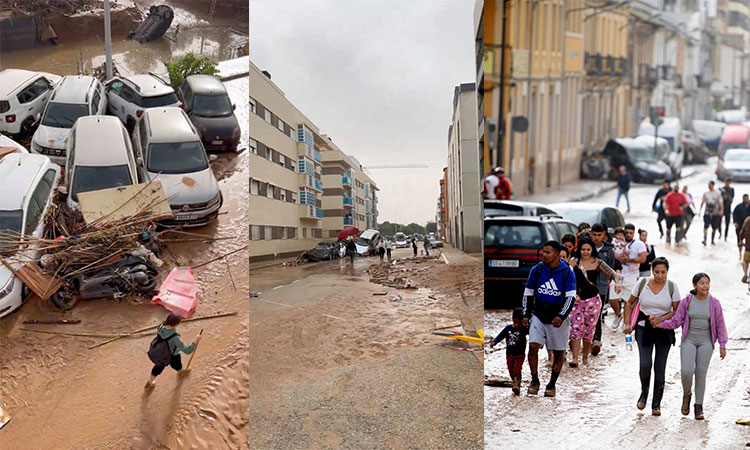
(547, 301)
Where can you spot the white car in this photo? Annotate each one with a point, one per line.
(367, 242)
(8, 142)
(23, 96)
(400, 240)
(89, 166)
(129, 96)
(170, 150)
(76, 96)
(27, 182)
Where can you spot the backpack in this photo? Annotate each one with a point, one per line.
(538, 273)
(159, 352)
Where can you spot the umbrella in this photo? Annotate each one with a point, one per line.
(348, 231)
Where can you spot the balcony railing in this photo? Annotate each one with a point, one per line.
(318, 185)
(319, 212)
(593, 64)
(316, 157)
(346, 181)
(348, 201)
(348, 221)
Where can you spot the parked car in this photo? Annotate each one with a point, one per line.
(436, 243)
(326, 250)
(513, 244)
(170, 149)
(734, 136)
(27, 183)
(709, 131)
(640, 160)
(88, 168)
(367, 242)
(76, 96)
(735, 166)
(663, 152)
(23, 96)
(400, 240)
(496, 208)
(10, 143)
(208, 105)
(590, 213)
(732, 116)
(696, 150)
(129, 96)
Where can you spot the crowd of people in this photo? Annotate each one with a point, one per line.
(566, 292)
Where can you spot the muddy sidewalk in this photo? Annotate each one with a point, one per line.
(336, 366)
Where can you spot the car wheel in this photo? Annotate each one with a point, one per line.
(27, 127)
(130, 125)
(25, 293)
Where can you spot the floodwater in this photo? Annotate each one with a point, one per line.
(595, 403)
(336, 366)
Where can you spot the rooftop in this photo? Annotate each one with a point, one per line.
(149, 85)
(12, 79)
(91, 131)
(73, 89)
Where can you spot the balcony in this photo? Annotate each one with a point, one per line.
(346, 181)
(348, 221)
(319, 213)
(307, 212)
(621, 67)
(318, 185)
(348, 201)
(593, 64)
(666, 72)
(316, 157)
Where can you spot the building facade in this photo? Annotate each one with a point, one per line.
(442, 205)
(287, 191)
(463, 173)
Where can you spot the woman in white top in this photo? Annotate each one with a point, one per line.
(657, 299)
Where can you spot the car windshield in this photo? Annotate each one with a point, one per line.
(88, 179)
(177, 157)
(400, 237)
(212, 106)
(161, 100)
(713, 129)
(736, 155)
(731, 145)
(63, 115)
(580, 215)
(670, 141)
(363, 241)
(321, 247)
(641, 153)
(513, 235)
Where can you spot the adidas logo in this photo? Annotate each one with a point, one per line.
(549, 288)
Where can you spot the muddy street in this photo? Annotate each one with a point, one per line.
(595, 403)
(335, 365)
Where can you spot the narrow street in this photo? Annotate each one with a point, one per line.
(335, 365)
(595, 403)
(93, 398)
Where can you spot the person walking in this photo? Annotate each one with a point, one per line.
(745, 241)
(351, 249)
(426, 245)
(381, 250)
(674, 208)
(547, 302)
(491, 183)
(740, 213)
(388, 247)
(645, 268)
(620, 249)
(712, 200)
(658, 205)
(634, 256)
(656, 297)
(702, 321)
(606, 253)
(623, 186)
(414, 246)
(168, 340)
(505, 188)
(727, 197)
(515, 347)
(687, 218)
(586, 311)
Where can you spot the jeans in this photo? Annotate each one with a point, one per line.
(620, 193)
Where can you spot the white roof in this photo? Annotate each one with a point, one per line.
(149, 85)
(8, 142)
(18, 173)
(100, 142)
(649, 140)
(170, 124)
(12, 79)
(73, 89)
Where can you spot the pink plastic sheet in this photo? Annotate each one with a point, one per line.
(178, 292)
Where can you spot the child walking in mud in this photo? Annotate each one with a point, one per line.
(166, 348)
(515, 347)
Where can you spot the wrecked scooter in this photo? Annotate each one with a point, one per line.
(130, 275)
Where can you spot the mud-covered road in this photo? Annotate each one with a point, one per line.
(61, 395)
(595, 403)
(335, 366)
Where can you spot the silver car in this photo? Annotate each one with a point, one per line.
(735, 166)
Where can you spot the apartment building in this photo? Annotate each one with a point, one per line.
(464, 212)
(285, 174)
(442, 205)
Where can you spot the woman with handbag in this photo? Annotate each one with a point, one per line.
(702, 323)
(583, 318)
(652, 301)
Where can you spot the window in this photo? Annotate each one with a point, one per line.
(304, 233)
(26, 95)
(95, 104)
(252, 106)
(268, 116)
(41, 86)
(253, 146)
(255, 232)
(178, 157)
(4, 106)
(116, 87)
(268, 233)
(254, 187)
(33, 214)
(128, 94)
(280, 125)
(294, 197)
(282, 194)
(281, 160)
(160, 100)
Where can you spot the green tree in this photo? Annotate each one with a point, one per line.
(187, 65)
(387, 229)
(431, 227)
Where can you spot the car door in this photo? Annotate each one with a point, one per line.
(42, 88)
(43, 196)
(116, 103)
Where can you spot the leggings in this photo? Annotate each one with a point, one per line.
(695, 357)
(649, 338)
(175, 363)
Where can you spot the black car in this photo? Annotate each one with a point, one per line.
(154, 25)
(325, 250)
(497, 208)
(696, 150)
(207, 104)
(640, 160)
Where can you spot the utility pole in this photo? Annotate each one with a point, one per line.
(108, 40)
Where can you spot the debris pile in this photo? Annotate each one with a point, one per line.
(390, 274)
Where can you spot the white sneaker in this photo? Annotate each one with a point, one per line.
(616, 322)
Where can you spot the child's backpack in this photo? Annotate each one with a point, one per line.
(159, 352)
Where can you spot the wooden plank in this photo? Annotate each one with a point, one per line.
(5, 151)
(33, 277)
(108, 205)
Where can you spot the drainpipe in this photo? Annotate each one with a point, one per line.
(501, 111)
(564, 90)
(529, 80)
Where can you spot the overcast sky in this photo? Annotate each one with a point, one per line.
(378, 78)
